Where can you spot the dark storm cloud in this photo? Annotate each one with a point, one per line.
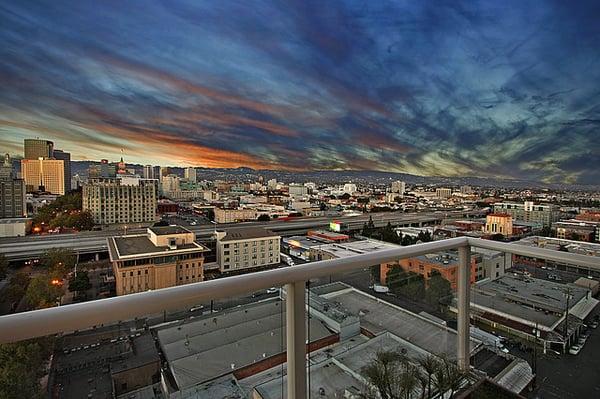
(444, 87)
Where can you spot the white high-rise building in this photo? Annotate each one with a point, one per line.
(398, 187)
(170, 183)
(298, 190)
(148, 172)
(272, 184)
(190, 174)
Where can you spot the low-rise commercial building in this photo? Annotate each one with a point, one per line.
(576, 230)
(446, 264)
(557, 244)
(499, 223)
(234, 215)
(443, 193)
(247, 248)
(163, 257)
(530, 308)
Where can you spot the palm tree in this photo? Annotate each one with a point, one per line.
(429, 364)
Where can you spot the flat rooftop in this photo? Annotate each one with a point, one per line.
(346, 249)
(246, 233)
(574, 247)
(534, 300)
(139, 245)
(341, 373)
(378, 316)
(168, 230)
(212, 346)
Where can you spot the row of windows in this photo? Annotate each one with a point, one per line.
(161, 259)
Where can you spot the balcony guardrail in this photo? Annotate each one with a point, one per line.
(39, 323)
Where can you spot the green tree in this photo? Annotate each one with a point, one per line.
(3, 266)
(389, 235)
(41, 293)
(80, 283)
(22, 365)
(59, 261)
(409, 284)
(447, 376)
(438, 289)
(16, 287)
(385, 375)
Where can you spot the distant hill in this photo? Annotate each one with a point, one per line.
(336, 176)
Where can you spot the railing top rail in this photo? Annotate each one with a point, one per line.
(590, 262)
(38, 323)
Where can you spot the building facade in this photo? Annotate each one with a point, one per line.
(499, 223)
(163, 257)
(576, 230)
(148, 172)
(190, 174)
(111, 202)
(398, 187)
(46, 173)
(247, 248)
(297, 190)
(234, 215)
(446, 264)
(529, 212)
(37, 148)
(66, 158)
(443, 193)
(12, 192)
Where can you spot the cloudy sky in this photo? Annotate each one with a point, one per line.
(490, 88)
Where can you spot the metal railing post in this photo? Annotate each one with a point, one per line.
(295, 319)
(463, 306)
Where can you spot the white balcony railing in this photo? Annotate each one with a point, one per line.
(39, 323)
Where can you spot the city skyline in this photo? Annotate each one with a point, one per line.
(445, 89)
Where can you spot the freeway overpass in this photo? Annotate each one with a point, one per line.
(94, 242)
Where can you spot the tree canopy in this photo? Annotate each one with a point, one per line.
(80, 283)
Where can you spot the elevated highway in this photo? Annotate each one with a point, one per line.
(94, 242)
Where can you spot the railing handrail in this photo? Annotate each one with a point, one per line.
(38, 323)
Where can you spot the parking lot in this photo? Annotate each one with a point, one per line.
(568, 376)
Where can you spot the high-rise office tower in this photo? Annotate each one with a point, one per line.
(44, 174)
(398, 187)
(12, 192)
(148, 172)
(66, 157)
(6, 169)
(190, 174)
(156, 172)
(37, 148)
(117, 201)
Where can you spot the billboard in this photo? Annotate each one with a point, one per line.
(335, 226)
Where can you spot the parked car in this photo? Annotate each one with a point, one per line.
(575, 349)
(594, 324)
